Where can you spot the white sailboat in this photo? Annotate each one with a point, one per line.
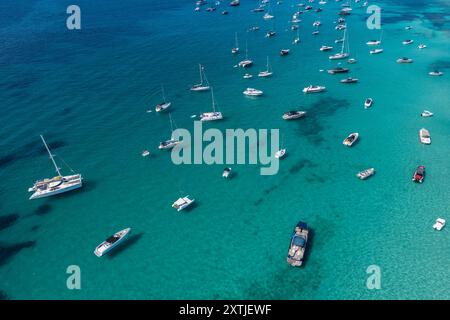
(55, 185)
(236, 45)
(246, 62)
(211, 116)
(342, 54)
(266, 73)
(172, 142)
(203, 85)
(375, 42)
(164, 104)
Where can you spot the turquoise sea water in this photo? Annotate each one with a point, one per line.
(87, 91)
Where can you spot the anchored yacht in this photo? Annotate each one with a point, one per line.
(111, 242)
(182, 203)
(314, 89)
(351, 139)
(56, 185)
(252, 92)
(297, 245)
(203, 85)
(290, 115)
(214, 115)
(424, 135)
(366, 173)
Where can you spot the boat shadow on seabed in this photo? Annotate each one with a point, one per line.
(132, 239)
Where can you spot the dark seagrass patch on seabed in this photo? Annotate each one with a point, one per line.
(29, 150)
(312, 126)
(43, 209)
(3, 295)
(7, 251)
(8, 220)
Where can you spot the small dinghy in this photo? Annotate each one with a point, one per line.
(419, 174)
(426, 114)
(280, 153)
(351, 139)
(439, 224)
(368, 103)
(145, 153)
(366, 173)
(226, 173)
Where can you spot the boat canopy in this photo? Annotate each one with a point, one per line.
(299, 241)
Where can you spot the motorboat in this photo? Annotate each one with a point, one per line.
(409, 41)
(284, 52)
(365, 173)
(376, 51)
(225, 12)
(315, 33)
(270, 33)
(290, 115)
(182, 203)
(338, 70)
(373, 42)
(280, 153)
(422, 46)
(226, 172)
(419, 174)
(351, 61)
(436, 73)
(349, 80)
(351, 139)
(439, 224)
(325, 48)
(235, 49)
(235, 3)
(316, 24)
(247, 76)
(368, 103)
(297, 245)
(252, 92)
(56, 185)
(168, 144)
(404, 60)
(268, 16)
(424, 135)
(408, 28)
(245, 63)
(145, 153)
(426, 114)
(111, 242)
(314, 89)
(340, 27)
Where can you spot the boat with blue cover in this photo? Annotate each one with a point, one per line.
(298, 244)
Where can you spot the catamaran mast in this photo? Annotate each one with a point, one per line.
(51, 156)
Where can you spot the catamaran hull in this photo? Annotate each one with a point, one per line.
(52, 193)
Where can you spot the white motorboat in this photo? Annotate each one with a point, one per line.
(280, 153)
(435, 73)
(439, 224)
(284, 52)
(325, 48)
(409, 41)
(226, 172)
(268, 72)
(270, 33)
(351, 61)
(351, 139)
(314, 89)
(145, 153)
(376, 51)
(203, 85)
(426, 114)
(404, 60)
(252, 92)
(247, 76)
(182, 203)
(350, 80)
(111, 242)
(316, 24)
(268, 16)
(424, 135)
(365, 173)
(368, 103)
(56, 185)
(290, 115)
(164, 105)
(422, 46)
(214, 115)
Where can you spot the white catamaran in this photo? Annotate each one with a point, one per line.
(55, 185)
(204, 84)
(211, 116)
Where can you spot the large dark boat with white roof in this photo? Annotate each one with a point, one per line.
(297, 246)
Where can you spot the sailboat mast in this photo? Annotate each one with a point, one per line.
(200, 68)
(51, 156)
(236, 40)
(343, 42)
(163, 93)
(213, 102)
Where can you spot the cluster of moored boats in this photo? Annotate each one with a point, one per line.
(296, 253)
